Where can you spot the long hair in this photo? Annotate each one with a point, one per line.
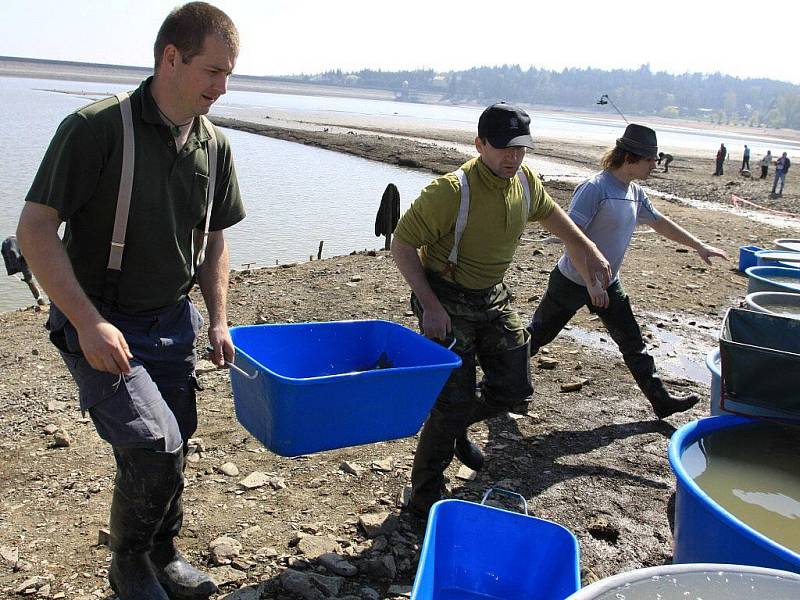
(615, 157)
(187, 27)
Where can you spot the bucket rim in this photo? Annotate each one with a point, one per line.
(453, 363)
(687, 435)
(614, 581)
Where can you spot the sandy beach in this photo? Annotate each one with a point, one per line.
(593, 459)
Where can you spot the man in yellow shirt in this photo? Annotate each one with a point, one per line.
(467, 226)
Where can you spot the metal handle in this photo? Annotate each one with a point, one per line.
(519, 497)
(230, 365)
(453, 343)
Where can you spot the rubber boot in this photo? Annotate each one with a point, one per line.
(506, 383)
(177, 576)
(144, 487)
(665, 404)
(468, 453)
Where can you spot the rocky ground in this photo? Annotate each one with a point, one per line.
(329, 524)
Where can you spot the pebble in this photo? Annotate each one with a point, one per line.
(338, 565)
(375, 524)
(351, 468)
(61, 439)
(223, 550)
(466, 474)
(229, 469)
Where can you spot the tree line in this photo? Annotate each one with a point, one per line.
(713, 97)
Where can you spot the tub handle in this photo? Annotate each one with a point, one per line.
(515, 495)
(453, 343)
(230, 365)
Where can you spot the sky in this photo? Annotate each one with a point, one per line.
(282, 37)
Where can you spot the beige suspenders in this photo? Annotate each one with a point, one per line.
(126, 186)
(463, 213)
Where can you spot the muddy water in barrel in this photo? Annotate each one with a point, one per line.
(792, 281)
(753, 472)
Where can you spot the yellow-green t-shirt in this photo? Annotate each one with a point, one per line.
(495, 223)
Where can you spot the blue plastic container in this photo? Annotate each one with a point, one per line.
(747, 257)
(320, 386)
(759, 279)
(706, 532)
(476, 551)
(778, 258)
(791, 244)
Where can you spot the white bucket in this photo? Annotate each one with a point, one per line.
(708, 581)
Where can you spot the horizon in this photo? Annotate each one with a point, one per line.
(310, 38)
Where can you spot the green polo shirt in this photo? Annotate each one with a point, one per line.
(496, 221)
(79, 177)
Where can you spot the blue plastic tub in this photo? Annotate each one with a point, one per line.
(791, 244)
(706, 532)
(759, 279)
(747, 257)
(778, 258)
(319, 386)
(476, 551)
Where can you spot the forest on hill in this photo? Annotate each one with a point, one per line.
(713, 97)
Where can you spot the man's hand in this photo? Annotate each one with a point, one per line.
(220, 340)
(706, 252)
(597, 292)
(105, 348)
(436, 322)
(598, 267)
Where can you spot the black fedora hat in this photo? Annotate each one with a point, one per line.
(639, 140)
(505, 125)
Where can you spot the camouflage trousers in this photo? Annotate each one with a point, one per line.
(487, 332)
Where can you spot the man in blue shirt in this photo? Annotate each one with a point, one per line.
(607, 208)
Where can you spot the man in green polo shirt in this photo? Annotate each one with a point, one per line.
(467, 226)
(127, 330)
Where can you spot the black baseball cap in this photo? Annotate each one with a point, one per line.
(504, 125)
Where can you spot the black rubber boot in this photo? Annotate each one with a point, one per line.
(665, 404)
(144, 487)
(181, 580)
(468, 453)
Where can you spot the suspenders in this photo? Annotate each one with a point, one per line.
(114, 268)
(463, 213)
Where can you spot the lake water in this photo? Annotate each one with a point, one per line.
(295, 195)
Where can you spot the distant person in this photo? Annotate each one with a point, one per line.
(722, 154)
(667, 158)
(745, 159)
(458, 291)
(766, 161)
(607, 207)
(121, 315)
(781, 169)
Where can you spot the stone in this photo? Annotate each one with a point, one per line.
(103, 537)
(31, 585)
(223, 550)
(571, 387)
(226, 575)
(9, 555)
(367, 593)
(375, 524)
(61, 439)
(246, 593)
(50, 428)
(310, 586)
(382, 567)
(399, 590)
(255, 480)
(314, 546)
(547, 364)
(466, 474)
(351, 468)
(337, 564)
(384, 466)
(229, 469)
(403, 497)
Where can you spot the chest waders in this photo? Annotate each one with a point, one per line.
(506, 381)
(147, 508)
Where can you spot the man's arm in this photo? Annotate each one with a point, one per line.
(672, 231)
(588, 260)
(213, 279)
(435, 320)
(103, 345)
